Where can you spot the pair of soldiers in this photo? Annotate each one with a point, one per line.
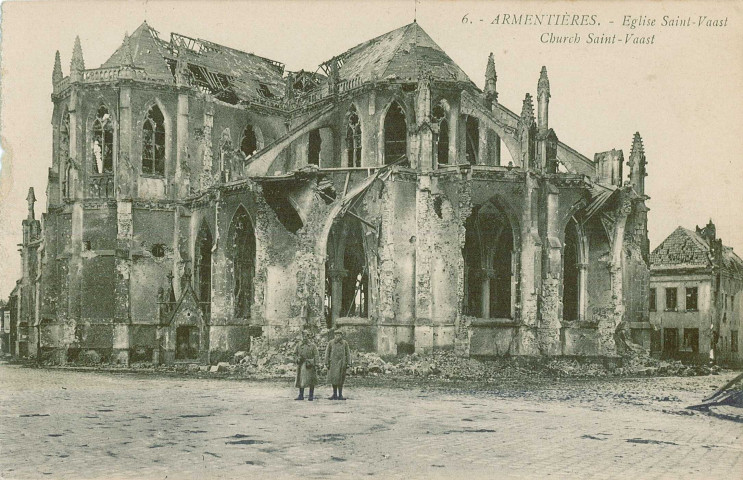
(337, 359)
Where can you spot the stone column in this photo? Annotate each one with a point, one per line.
(530, 270)
(336, 289)
(549, 324)
(424, 238)
(487, 275)
(181, 157)
(123, 261)
(582, 290)
(607, 326)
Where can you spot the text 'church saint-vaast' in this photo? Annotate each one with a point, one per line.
(200, 196)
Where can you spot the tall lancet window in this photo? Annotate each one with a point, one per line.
(153, 142)
(442, 139)
(395, 134)
(64, 154)
(103, 142)
(243, 258)
(353, 138)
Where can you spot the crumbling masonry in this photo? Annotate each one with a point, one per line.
(200, 196)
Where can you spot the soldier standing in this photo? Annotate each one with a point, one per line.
(308, 359)
(337, 359)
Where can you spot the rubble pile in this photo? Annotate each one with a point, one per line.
(278, 361)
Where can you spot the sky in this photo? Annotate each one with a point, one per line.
(682, 92)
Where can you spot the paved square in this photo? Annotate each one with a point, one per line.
(65, 425)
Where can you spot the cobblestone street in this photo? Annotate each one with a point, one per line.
(66, 424)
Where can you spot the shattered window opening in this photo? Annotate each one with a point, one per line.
(472, 143)
(353, 138)
(153, 142)
(395, 134)
(314, 147)
(249, 142)
(103, 140)
(243, 258)
(347, 271)
(488, 257)
(442, 139)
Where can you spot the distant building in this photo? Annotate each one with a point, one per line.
(199, 196)
(696, 296)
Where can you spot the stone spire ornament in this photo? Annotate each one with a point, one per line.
(543, 86)
(77, 64)
(527, 110)
(57, 72)
(31, 199)
(636, 163)
(127, 61)
(491, 94)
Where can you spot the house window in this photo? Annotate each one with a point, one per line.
(734, 340)
(691, 299)
(652, 300)
(691, 340)
(671, 300)
(103, 141)
(153, 142)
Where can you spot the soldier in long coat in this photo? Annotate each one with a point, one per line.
(337, 359)
(308, 360)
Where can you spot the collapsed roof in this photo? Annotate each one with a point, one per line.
(233, 76)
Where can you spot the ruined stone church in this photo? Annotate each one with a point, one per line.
(200, 196)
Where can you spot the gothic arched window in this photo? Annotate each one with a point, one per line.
(395, 134)
(153, 142)
(103, 142)
(242, 239)
(353, 138)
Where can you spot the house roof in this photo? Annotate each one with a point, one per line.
(682, 249)
(401, 54)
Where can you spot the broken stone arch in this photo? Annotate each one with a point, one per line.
(491, 253)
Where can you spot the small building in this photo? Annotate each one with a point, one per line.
(695, 297)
